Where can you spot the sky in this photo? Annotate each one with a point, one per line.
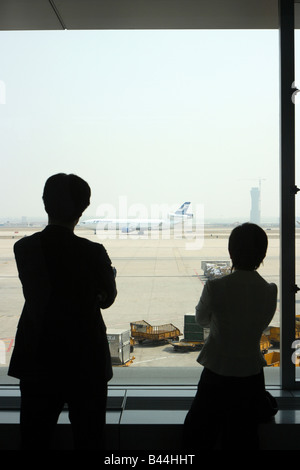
(147, 117)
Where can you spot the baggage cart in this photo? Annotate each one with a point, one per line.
(141, 331)
(185, 345)
(194, 335)
(272, 359)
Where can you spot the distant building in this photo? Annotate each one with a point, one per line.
(255, 206)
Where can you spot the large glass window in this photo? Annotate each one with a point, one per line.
(151, 119)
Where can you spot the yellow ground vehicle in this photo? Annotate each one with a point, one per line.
(273, 358)
(184, 345)
(264, 344)
(141, 330)
(274, 332)
(274, 335)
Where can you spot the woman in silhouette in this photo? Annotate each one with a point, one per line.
(237, 308)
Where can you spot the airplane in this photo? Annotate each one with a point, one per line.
(131, 225)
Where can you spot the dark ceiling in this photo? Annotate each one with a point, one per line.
(138, 14)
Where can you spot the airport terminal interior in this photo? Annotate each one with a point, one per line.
(153, 338)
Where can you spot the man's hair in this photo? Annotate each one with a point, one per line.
(66, 197)
(247, 246)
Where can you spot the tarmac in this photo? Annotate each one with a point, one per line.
(159, 280)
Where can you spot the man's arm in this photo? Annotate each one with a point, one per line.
(105, 279)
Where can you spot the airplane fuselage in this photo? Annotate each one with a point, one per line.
(131, 225)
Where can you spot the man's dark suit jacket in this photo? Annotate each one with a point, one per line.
(66, 280)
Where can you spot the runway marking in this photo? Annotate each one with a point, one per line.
(198, 276)
(8, 276)
(10, 342)
(151, 360)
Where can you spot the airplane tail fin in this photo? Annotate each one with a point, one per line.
(182, 211)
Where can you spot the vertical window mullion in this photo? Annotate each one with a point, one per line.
(287, 218)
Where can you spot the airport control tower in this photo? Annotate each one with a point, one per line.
(255, 206)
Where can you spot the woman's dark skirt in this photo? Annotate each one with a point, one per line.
(226, 411)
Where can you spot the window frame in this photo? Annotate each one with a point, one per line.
(288, 287)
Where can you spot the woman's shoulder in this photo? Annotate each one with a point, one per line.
(239, 276)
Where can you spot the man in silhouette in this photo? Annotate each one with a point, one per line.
(61, 354)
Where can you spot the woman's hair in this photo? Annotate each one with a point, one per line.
(66, 197)
(247, 246)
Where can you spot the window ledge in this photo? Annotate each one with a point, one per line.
(147, 407)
